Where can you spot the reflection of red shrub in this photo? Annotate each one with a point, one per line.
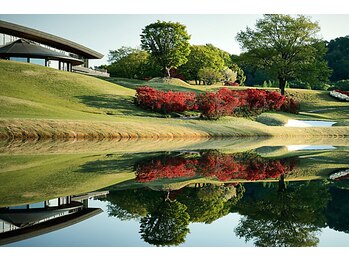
(171, 167)
(224, 167)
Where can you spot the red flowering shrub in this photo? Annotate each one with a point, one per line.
(274, 100)
(213, 105)
(256, 99)
(165, 102)
(342, 92)
(290, 105)
(223, 167)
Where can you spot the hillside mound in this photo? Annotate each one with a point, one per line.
(170, 81)
(29, 90)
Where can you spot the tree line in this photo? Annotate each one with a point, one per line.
(281, 50)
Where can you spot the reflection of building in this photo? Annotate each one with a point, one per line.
(26, 221)
(23, 44)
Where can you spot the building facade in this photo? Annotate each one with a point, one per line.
(24, 44)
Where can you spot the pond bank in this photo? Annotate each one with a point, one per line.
(19, 129)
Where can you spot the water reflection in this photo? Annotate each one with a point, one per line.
(26, 221)
(290, 217)
(164, 216)
(281, 197)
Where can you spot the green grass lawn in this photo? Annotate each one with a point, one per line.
(39, 102)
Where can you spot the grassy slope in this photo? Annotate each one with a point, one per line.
(41, 102)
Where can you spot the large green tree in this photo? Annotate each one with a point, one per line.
(132, 65)
(209, 203)
(167, 42)
(285, 46)
(117, 54)
(201, 56)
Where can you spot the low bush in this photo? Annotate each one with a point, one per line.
(165, 102)
(213, 105)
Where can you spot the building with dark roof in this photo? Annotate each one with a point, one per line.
(24, 44)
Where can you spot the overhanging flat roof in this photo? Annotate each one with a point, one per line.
(24, 48)
(48, 39)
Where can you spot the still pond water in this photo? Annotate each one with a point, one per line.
(293, 195)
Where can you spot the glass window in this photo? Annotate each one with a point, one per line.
(52, 202)
(19, 59)
(18, 207)
(37, 61)
(53, 64)
(37, 205)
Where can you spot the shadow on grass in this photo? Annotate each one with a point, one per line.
(106, 166)
(115, 105)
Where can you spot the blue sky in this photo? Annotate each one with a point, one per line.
(104, 32)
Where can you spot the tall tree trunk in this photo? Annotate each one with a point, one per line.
(168, 69)
(282, 84)
(282, 185)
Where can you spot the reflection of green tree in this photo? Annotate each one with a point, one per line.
(164, 222)
(133, 203)
(337, 211)
(210, 202)
(167, 225)
(289, 217)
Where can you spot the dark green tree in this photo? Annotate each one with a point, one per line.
(168, 44)
(338, 58)
(289, 217)
(167, 225)
(337, 212)
(286, 47)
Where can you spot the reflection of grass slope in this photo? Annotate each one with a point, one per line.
(32, 178)
(321, 164)
(36, 178)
